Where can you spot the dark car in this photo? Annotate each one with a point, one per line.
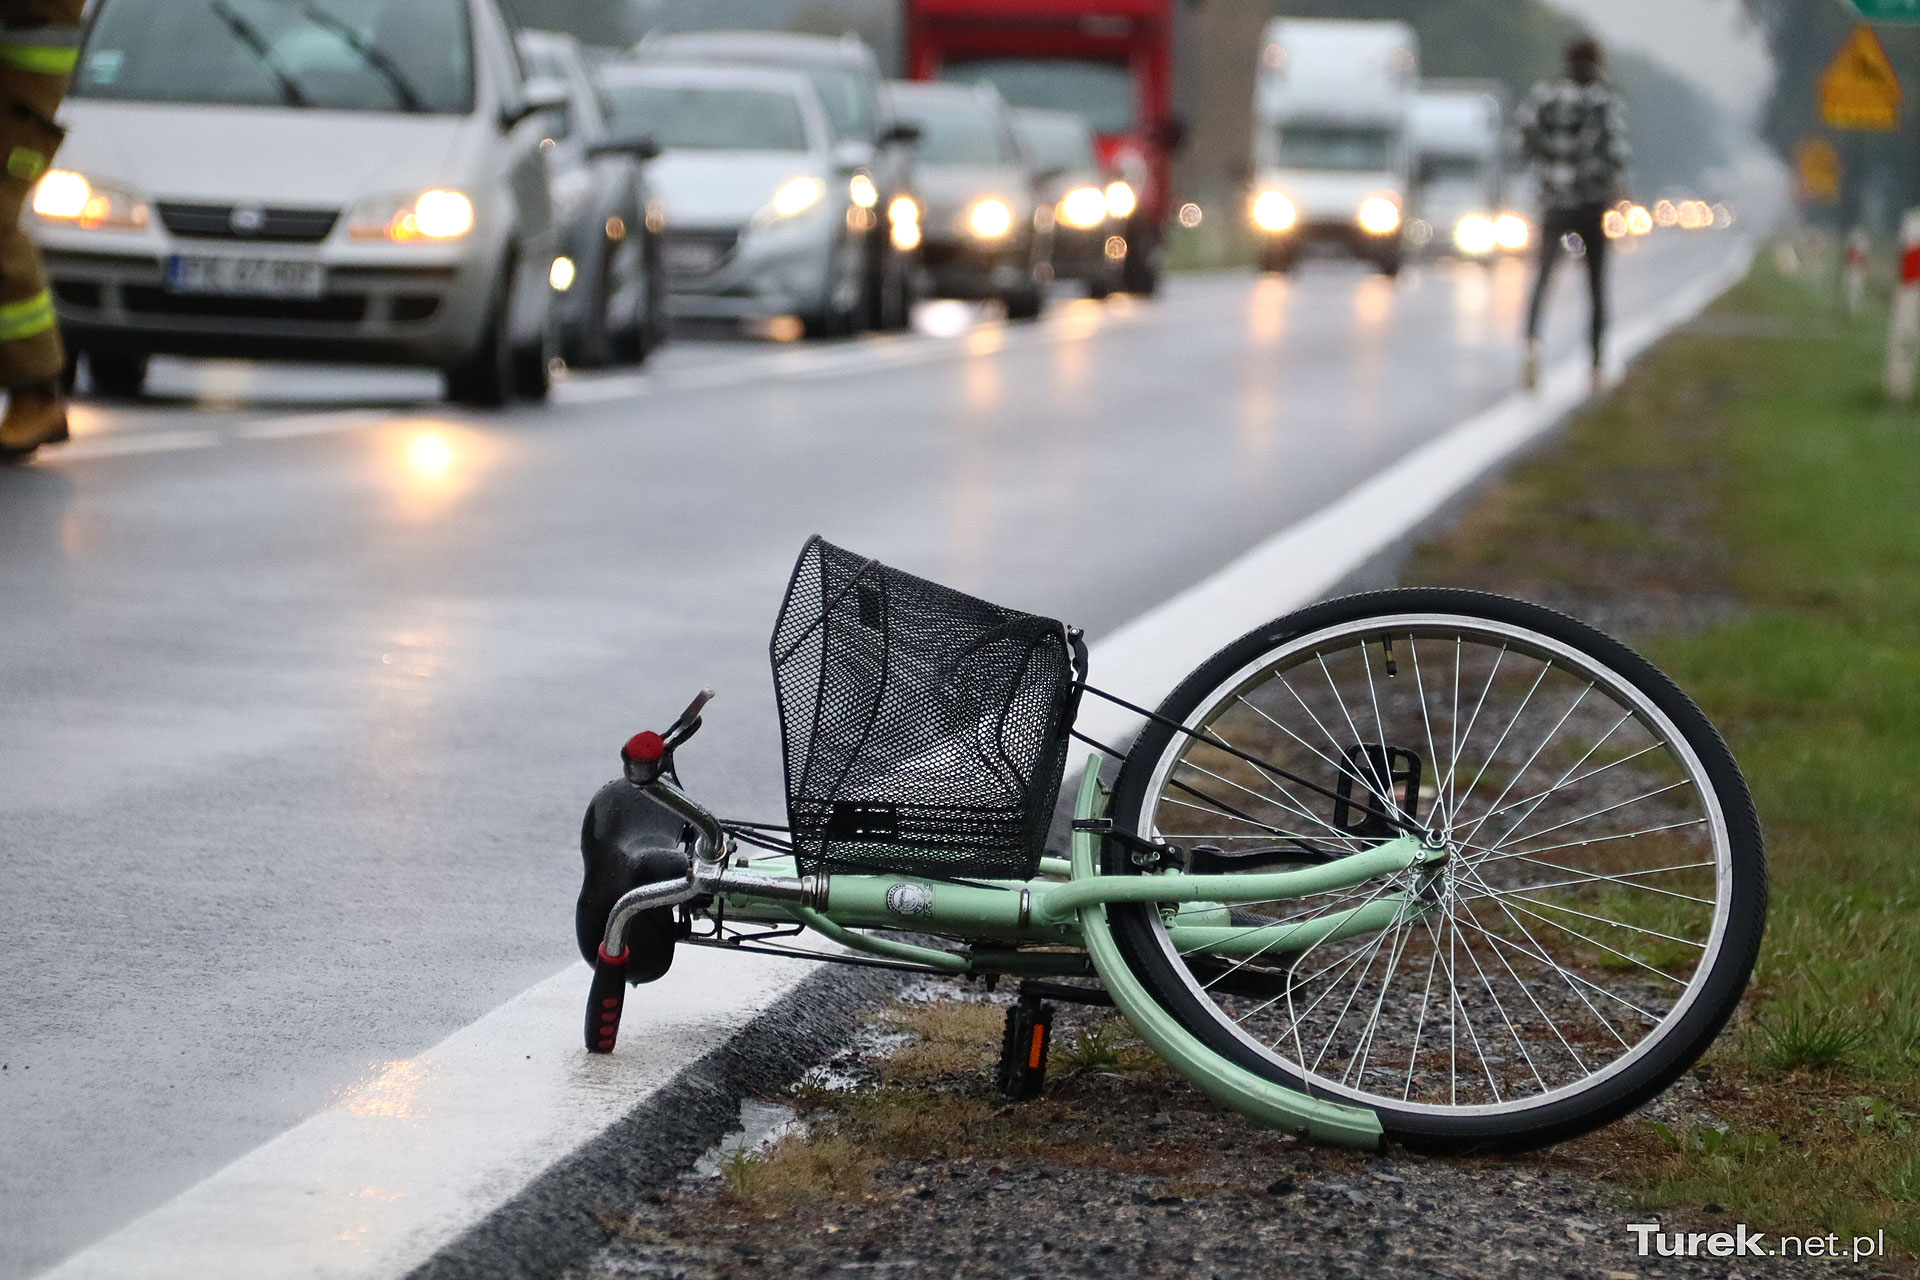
(608, 299)
(986, 234)
(868, 142)
(1089, 243)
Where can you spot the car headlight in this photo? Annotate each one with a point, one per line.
(63, 196)
(1510, 231)
(1121, 201)
(1083, 207)
(561, 274)
(990, 219)
(1378, 216)
(1274, 212)
(796, 195)
(861, 191)
(903, 221)
(1473, 235)
(434, 215)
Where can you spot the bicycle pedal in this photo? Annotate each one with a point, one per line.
(1023, 1049)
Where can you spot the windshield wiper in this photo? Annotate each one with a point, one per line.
(371, 55)
(249, 35)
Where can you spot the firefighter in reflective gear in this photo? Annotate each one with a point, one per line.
(38, 42)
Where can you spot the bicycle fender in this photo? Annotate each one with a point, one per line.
(1225, 1082)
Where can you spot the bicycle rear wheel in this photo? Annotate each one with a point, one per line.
(1589, 932)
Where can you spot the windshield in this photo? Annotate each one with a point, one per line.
(708, 117)
(843, 92)
(1336, 146)
(340, 55)
(1056, 144)
(958, 132)
(1101, 93)
(1450, 169)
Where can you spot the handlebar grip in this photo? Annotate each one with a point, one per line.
(605, 999)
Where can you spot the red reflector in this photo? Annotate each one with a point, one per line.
(645, 745)
(1910, 265)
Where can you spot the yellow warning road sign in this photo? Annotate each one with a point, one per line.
(1818, 166)
(1858, 90)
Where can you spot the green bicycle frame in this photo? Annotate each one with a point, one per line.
(1048, 913)
(1064, 925)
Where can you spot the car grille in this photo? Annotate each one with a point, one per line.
(334, 308)
(216, 222)
(696, 253)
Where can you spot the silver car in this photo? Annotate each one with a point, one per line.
(758, 217)
(322, 179)
(608, 301)
(877, 150)
(987, 232)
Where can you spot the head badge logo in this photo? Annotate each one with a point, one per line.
(247, 219)
(909, 899)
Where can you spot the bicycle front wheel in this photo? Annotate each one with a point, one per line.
(1592, 923)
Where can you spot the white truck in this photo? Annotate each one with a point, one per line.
(1332, 164)
(1458, 167)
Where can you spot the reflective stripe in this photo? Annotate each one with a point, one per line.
(47, 51)
(27, 317)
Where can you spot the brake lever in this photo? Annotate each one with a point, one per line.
(688, 722)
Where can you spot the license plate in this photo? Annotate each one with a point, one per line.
(691, 258)
(246, 277)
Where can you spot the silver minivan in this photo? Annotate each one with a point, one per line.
(302, 179)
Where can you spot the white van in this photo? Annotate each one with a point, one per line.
(1457, 168)
(1331, 157)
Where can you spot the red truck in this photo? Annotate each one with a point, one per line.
(1110, 61)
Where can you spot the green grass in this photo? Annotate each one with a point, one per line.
(1798, 492)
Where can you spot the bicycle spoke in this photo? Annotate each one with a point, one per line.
(1499, 742)
(1625, 879)
(1521, 772)
(1491, 854)
(1597, 813)
(1519, 983)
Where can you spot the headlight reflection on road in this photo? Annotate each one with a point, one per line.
(430, 454)
(434, 463)
(1267, 310)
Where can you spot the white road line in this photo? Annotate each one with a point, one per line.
(430, 1145)
(375, 1184)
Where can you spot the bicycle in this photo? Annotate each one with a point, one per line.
(1425, 865)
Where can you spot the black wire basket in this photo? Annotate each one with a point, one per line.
(925, 731)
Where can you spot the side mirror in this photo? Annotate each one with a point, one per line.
(640, 146)
(537, 95)
(1170, 134)
(900, 133)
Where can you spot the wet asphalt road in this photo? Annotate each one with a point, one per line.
(305, 679)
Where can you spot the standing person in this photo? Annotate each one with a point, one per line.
(38, 42)
(1574, 132)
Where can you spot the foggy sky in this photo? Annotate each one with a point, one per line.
(1708, 41)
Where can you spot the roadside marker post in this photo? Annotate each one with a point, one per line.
(1903, 334)
(1854, 273)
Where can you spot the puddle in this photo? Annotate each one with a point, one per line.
(761, 1125)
